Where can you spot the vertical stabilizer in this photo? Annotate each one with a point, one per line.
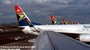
(54, 20)
(24, 22)
(22, 18)
(64, 21)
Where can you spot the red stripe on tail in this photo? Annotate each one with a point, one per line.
(18, 9)
(52, 17)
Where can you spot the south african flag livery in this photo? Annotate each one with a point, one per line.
(54, 20)
(23, 20)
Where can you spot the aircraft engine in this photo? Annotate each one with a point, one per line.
(84, 38)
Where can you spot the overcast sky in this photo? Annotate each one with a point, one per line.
(40, 10)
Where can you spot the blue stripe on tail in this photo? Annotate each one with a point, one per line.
(23, 23)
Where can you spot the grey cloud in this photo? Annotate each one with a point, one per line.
(1, 14)
(41, 9)
(45, 1)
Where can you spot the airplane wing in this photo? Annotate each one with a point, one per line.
(54, 41)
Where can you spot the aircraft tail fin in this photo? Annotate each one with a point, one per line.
(22, 18)
(65, 21)
(54, 20)
(71, 22)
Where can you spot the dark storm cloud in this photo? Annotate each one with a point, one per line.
(10, 2)
(42, 9)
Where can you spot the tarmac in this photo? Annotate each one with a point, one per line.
(8, 35)
(8, 38)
